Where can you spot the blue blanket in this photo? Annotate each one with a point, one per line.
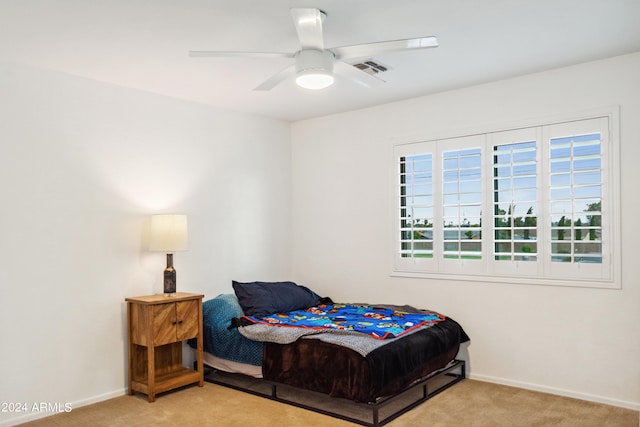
(221, 341)
(376, 321)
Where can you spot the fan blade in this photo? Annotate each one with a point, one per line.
(308, 23)
(276, 79)
(222, 54)
(358, 76)
(371, 49)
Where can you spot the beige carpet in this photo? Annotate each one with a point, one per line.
(469, 403)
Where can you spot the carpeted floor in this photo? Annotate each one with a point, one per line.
(469, 403)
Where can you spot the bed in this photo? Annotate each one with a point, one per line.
(243, 334)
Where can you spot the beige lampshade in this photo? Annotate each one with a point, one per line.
(169, 233)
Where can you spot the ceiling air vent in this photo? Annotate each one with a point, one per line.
(371, 67)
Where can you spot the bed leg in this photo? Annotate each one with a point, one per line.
(375, 416)
(274, 392)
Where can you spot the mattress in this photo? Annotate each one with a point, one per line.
(231, 366)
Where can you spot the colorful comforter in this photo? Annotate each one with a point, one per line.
(377, 321)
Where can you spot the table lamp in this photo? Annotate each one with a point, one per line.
(169, 234)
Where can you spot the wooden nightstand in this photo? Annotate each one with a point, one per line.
(156, 326)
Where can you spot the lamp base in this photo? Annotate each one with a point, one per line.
(169, 277)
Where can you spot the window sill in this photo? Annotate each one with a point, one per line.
(562, 282)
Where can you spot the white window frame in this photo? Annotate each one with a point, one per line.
(543, 271)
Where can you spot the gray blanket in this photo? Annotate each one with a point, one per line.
(356, 341)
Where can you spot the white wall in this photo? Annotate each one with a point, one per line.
(83, 165)
(573, 341)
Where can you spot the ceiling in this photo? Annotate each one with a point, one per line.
(144, 44)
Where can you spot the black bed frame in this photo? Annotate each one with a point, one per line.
(443, 379)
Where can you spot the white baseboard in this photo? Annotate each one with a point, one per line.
(557, 391)
(35, 415)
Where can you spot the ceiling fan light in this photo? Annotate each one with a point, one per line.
(314, 69)
(314, 79)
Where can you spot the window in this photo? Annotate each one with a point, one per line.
(576, 199)
(462, 204)
(532, 205)
(416, 207)
(515, 202)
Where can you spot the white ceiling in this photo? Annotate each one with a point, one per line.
(144, 44)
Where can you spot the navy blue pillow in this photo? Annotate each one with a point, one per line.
(264, 298)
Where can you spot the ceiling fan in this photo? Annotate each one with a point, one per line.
(313, 64)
